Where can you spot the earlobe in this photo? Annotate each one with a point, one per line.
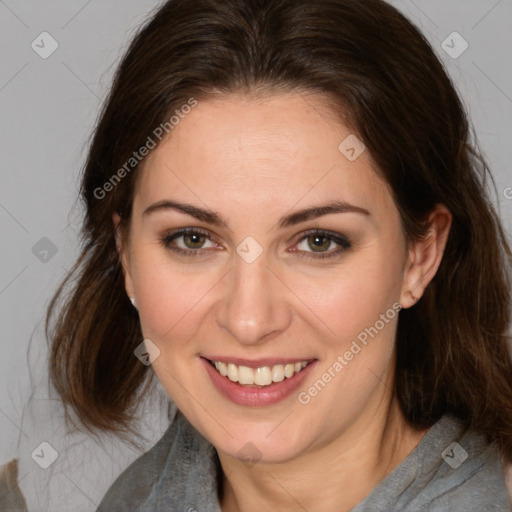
(425, 256)
(117, 219)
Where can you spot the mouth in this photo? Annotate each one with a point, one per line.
(257, 383)
(259, 377)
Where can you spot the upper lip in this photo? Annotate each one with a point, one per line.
(257, 363)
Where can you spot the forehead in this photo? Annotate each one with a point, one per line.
(276, 151)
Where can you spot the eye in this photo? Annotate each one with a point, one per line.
(188, 241)
(191, 242)
(319, 241)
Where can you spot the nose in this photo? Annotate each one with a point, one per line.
(254, 306)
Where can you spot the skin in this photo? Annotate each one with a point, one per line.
(253, 161)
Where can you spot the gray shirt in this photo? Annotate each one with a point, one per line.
(451, 469)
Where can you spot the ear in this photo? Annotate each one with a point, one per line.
(124, 255)
(425, 256)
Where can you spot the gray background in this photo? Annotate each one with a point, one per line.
(48, 108)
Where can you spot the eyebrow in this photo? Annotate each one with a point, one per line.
(212, 217)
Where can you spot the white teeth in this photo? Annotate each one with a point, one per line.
(263, 376)
(289, 370)
(233, 372)
(223, 369)
(245, 375)
(278, 373)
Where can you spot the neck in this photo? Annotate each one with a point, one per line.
(333, 478)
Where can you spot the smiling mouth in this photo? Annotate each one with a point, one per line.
(258, 377)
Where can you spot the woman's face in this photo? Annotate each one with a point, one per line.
(259, 285)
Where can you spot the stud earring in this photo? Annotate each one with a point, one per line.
(132, 299)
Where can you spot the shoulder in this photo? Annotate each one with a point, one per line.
(452, 468)
(180, 472)
(135, 484)
(470, 473)
(480, 485)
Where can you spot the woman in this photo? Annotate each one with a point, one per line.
(286, 226)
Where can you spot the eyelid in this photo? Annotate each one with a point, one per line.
(336, 237)
(340, 239)
(169, 236)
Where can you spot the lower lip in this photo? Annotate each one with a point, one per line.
(255, 397)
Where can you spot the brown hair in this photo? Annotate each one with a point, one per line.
(384, 78)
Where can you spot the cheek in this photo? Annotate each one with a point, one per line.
(338, 301)
(170, 300)
(352, 297)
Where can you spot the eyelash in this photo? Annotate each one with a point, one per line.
(341, 240)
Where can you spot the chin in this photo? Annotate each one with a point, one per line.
(256, 446)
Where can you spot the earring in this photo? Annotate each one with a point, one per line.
(132, 299)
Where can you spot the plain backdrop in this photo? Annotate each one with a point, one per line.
(48, 108)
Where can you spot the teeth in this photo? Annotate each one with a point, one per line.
(263, 376)
(233, 372)
(245, 375)
(223, 369)
(278, 373)
(289, 370)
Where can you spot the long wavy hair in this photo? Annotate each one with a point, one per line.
(384, 80)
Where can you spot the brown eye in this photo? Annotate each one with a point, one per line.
(316, 244)
(194, 240)
(189, 242)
